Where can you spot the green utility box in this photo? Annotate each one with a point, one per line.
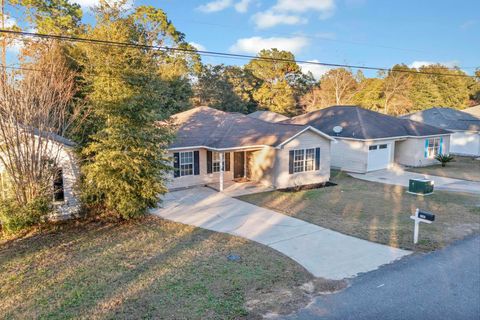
(420, 186)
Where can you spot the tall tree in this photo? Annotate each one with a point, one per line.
(396, 85)
(453, 89)
(52, 16)
(34, 106)
(129, 89)
(371, 95)
(281, 82)
(337, 87)
(227, 88)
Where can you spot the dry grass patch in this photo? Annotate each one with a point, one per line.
(466, 168)
(149, 268)
(378, 212)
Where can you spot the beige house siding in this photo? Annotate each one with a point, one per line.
(411, 152)
(269, 166)
(202, 178)
(261, 165)
(282, 178)
(349, 155)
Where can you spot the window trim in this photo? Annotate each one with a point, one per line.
(432, 149)
(308, 157)
(181, 167)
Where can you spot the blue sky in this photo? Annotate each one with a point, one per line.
(361, 32)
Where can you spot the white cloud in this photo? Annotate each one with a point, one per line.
(242, 6)
(288, 12)
(417, 64)
(214, 6)
(268, 19)
(198, 46)
(254, 44)
(317, 70)
(322, 6)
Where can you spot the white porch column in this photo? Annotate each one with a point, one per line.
(221, 170)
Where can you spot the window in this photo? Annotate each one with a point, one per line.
(58, 192)
(303, 160)
(382, 146)
(433, 147)
(309, 159)
(186, 163)
(216, 162)
(298, 160)
(372, 148)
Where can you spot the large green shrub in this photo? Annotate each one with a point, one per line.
(15, 217)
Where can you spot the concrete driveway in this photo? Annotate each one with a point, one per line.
(322, 252)
(400, 177)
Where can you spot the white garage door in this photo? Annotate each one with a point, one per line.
(378, 157)
(466, 143)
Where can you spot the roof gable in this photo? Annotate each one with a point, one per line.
(363, 124)
(211, 128)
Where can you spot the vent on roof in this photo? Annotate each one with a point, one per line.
(337, 129)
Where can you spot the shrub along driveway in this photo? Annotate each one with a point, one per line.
(323, 252)
(379, 212)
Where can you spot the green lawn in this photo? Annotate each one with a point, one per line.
(378, 212)
(466, 168)
(149, 268)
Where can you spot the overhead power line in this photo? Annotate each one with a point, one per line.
(215, 53)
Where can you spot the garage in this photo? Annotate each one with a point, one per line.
(465, 143)
(378, 156)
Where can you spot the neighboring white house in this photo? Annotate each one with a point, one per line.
(465, 139)
(64, 196)
(367, 140)
(212, 147)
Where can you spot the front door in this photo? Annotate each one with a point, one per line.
(238, 165)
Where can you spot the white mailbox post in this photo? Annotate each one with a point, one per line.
(421, 216)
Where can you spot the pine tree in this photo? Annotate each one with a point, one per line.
(130, 92)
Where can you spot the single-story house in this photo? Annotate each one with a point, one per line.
(474, 111)
(61, 151)
(268, 116)
(367, 140)
(212, 146)
(465, 139)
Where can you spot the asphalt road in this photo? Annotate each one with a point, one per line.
(441, 285)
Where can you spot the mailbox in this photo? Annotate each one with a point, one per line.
(426, 215)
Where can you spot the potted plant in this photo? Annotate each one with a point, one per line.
(444, 159)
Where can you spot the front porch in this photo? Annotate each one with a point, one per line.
(241, 163)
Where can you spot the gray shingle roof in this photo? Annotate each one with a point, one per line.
(446, 118)
(360, 123)
(268, 116)
(204, 126)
